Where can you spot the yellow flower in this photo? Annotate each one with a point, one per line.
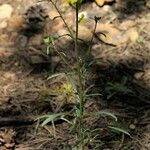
(68, 91)
(67, 88)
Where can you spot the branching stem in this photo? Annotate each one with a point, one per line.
(60, 14)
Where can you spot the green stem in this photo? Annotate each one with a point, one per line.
(71, 34)
(79, 66)
(61, 56)
(79, 71)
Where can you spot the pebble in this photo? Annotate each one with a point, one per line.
(102, 2)
(5, 11)
(138, 75)
(132, 126)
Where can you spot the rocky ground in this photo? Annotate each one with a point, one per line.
(121, 72)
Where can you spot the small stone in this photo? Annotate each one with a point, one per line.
(138, 75)
(5, 11)
(102, 2)
(132, 126)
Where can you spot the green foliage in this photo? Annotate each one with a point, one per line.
(50, 118)
(55, 75)
(106, 113)
(83, 136)
(119, 130)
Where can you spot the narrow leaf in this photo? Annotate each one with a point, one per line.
(46, 121)
(55, 75)
(119, 130)
(62, 118)
(50, 117)
(105, 113)
(43, 117)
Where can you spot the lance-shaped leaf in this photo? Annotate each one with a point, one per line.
(116, 129)
(105, 113)
(50, 118)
